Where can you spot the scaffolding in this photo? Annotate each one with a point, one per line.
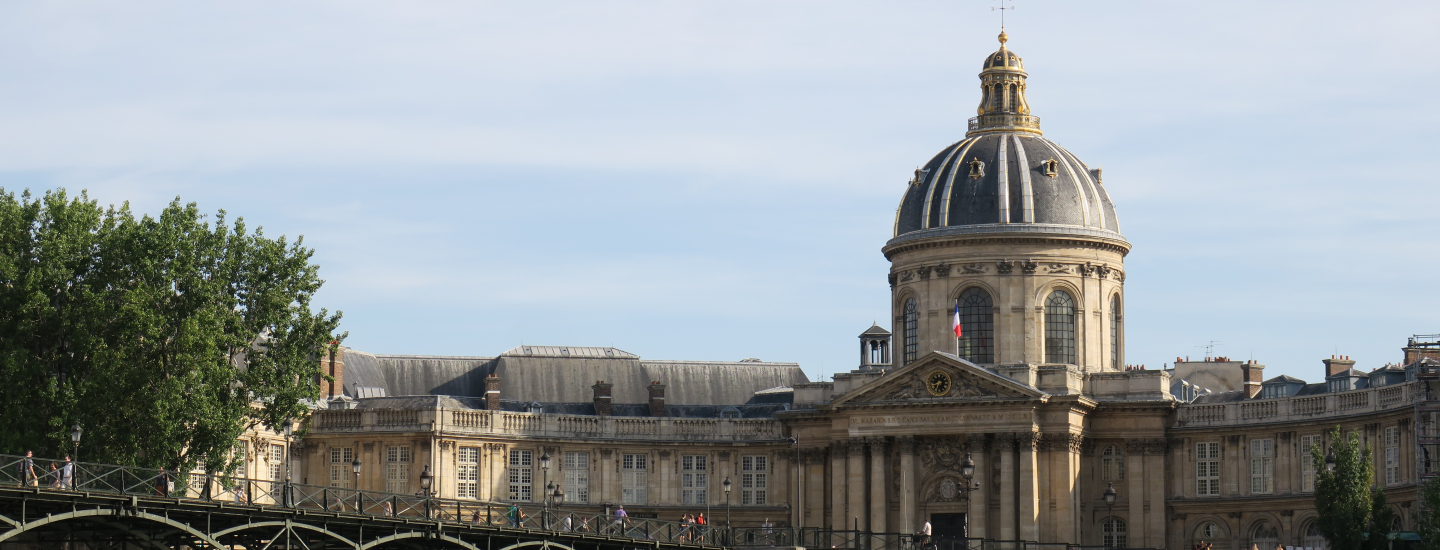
(1427, 409)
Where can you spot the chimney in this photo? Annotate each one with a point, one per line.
(1337, 364)
(492, 393)
(1254, 374)
(334, 366)
(603, 400)
(657, 399)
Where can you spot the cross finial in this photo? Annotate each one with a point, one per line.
(1002, 9)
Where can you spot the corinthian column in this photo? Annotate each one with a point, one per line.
(1007, 486)
(878, 501)
(838, 519)
(907, 484)
(1029, 487)
(979, 497)
(856, 485)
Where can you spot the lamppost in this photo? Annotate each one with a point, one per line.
(549, 496)
(557, 497)
(289, 431)
(1109, 497)
(726, 486)
(545, 498)
(355, 467)
(75, 433)
(1330, 461)
(967, 471)
(426, 482)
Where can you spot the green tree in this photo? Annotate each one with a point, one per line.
(164, 337)
(1352, 515)
(1428, 517)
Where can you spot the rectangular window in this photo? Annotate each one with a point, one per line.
(277, 467)
(1392, 455)
(520, 476)
(1307, 462)
(1207, 469)
(1262, 466)
(577, 477)
(397, 469)
(467, 472)
(244, 470)
(694, 479)
(753, 473)
(633, 479)
(340, 470)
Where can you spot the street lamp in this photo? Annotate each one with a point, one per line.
(426, 481)
(726, 486)
(1330, 461)
(545, 498)
(75, 433)
(1109, 497)
(355, 467)
(289, 431)
(967, 470)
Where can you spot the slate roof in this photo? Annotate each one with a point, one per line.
(1284, 379)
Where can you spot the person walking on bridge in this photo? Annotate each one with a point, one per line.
(28, 477)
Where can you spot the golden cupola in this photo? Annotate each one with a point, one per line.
(1002, 99)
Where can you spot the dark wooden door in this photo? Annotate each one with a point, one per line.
(948, 525)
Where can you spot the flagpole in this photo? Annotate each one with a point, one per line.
(957, 338)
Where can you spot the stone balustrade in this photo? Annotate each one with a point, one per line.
(562, 426)
(1296, 409)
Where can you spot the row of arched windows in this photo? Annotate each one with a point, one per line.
(977, 320)
(1263, 534)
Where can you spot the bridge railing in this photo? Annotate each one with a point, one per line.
(37, 473)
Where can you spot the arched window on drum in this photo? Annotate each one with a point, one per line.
(1117, 322)
(1060, 328)
(977, 326)
(911, 322)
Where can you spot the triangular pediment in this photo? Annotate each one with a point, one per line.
(941, 377)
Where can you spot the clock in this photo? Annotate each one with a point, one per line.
(938, 382)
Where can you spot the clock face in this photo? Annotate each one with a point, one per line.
(938, 382)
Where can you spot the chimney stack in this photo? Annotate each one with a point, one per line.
(492, 393)
(1337, 364)
(1254, 374)
(334, 366)
(657, 399)
(603, 401)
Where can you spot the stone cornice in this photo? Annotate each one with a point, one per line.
(921, 240)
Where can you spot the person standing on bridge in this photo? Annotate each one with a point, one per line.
(621, 519)
(67, 474)
(28, 478)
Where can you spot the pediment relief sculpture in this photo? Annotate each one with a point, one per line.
(942, 453)
(938, 382)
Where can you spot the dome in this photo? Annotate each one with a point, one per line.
(1005, 177)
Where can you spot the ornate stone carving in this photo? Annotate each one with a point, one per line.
(665, 455)
(1087, 447)
(1134, 446)
(975, 443)
(446, 445)
(942, 270)
(906, 276)
(923, 272)
(813, 455)
(877, 446)
(1005, 442)
(839, 448)
(1102, 271)
(1086, 269)
(1029, 267)
(1119, 275)
(724, 456)
(947, 489)
(369, 447)
(977, 168)
(1156, 446)
(908, 390)
(942, 453)
(905, 444)
(607, 453)
(891, 279)
(1059, 268)
(1026, 440)
(857, 446)
(974, 268)
(1004, 266)
(495, 447)
(919, 178)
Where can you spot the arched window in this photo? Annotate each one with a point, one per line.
(1116, 322)
(1060, 328)
(1312, 537)
(1264, 535)
(1115, 533)
(912, 336)
(1112, 464)
(977, 324)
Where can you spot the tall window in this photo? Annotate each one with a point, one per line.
(1207, 469)
(1115, 324)
(520, 475)
(1115, 533)
(577, 477)
(340, 470)
(911, 322)
(397, 469)
(1392, 455)
(753, 474)
(1312, 537)
(1262, 466)
(1060, 328)
(1112, 464)
(634, 479)
(467, 472)
(1265, 535)
(277, 466)
(1307, 463)
(977, 323)
(694, 479)
(240, 458)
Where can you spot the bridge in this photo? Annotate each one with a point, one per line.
(123, 507)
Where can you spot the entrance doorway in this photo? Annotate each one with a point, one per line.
(948, 525)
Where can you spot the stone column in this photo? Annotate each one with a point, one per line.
(1134, 492)
(1062, 489)
(979, 497)
(878, 503)
(667, 482)
(1007, 486)
(798, 502)
(855, 485)
(1029, 496)
(838, 451)
(907, 484)
(815, 486)
(1154, 475)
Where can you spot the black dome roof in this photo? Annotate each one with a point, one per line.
(1006, 182)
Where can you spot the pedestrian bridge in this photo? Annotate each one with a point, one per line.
(109, 506)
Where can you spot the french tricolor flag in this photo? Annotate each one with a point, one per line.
(958, 332)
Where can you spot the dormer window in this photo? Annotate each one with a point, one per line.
(730, 412)
(1050, 167)
(977, 168)
(534, 407)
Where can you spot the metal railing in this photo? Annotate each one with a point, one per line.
(38, 474)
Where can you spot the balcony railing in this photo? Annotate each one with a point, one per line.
(1004, 122)
(1294, 409)
(473, 422)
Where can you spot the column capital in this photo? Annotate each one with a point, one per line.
(1005, 441)
(906, 444)
(975, 443)
(1025, 441)
(877, 445)
(856, 445)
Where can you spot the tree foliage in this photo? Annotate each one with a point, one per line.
(1352, 514)
(164, 337)
(1428, 518)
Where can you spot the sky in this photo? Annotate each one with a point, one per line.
(715, 179)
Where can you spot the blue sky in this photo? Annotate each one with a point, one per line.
(714, 180)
